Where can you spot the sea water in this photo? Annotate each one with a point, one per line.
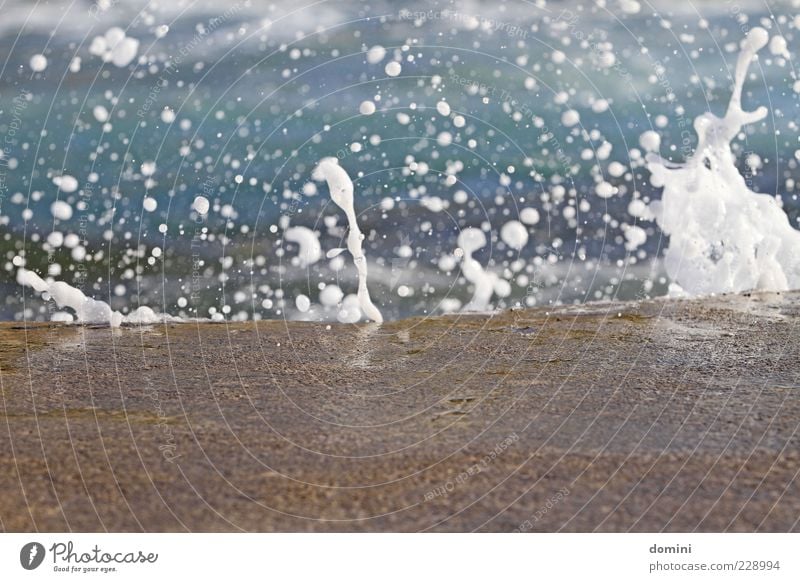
(546, 156)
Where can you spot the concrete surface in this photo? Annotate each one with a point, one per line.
(664, 415)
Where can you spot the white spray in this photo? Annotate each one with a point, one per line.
(341, 188)
(310, 249)
(86, 309)
(486, 283)
(724, 237)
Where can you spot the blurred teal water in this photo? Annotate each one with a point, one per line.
(256, 96)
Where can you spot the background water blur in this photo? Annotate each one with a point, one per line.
(238, 101)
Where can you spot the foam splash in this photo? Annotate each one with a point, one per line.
(723, 236)
(310, 249)
(87, 310)
(485, 282)
(341, 189)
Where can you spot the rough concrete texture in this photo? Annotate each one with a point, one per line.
(664, 415)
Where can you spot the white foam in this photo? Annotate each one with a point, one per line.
(61, 210)
(350, 310)
(778, 47)
(87, 310)
(115, 47)
(303, 303)
(143, 315)
(148, 168)
(200, 205)
(66, 183)
(341, 190)
(570, 118)
(723, 236)
(167, 115)
(650, 141)
(529, 216)
(100, 113)
(376, 54)
(55, 239)
(331, 296)
(306, 239)
(486, 283)
(605, 190)
(635, 236)
(366, 108)
(514, 234)
(38, 63)
(393, 68)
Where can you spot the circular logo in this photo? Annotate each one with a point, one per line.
(31, 555)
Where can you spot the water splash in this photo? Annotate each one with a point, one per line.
(485, 282)
(723, 236)
(341, 189)
(88, 310)
(310, 250)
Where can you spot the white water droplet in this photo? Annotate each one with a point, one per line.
(376, 54)
(393, 69)
(302, 303)
(38, 63)
(201, 205)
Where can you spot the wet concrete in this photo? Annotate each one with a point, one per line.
(664, 415)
